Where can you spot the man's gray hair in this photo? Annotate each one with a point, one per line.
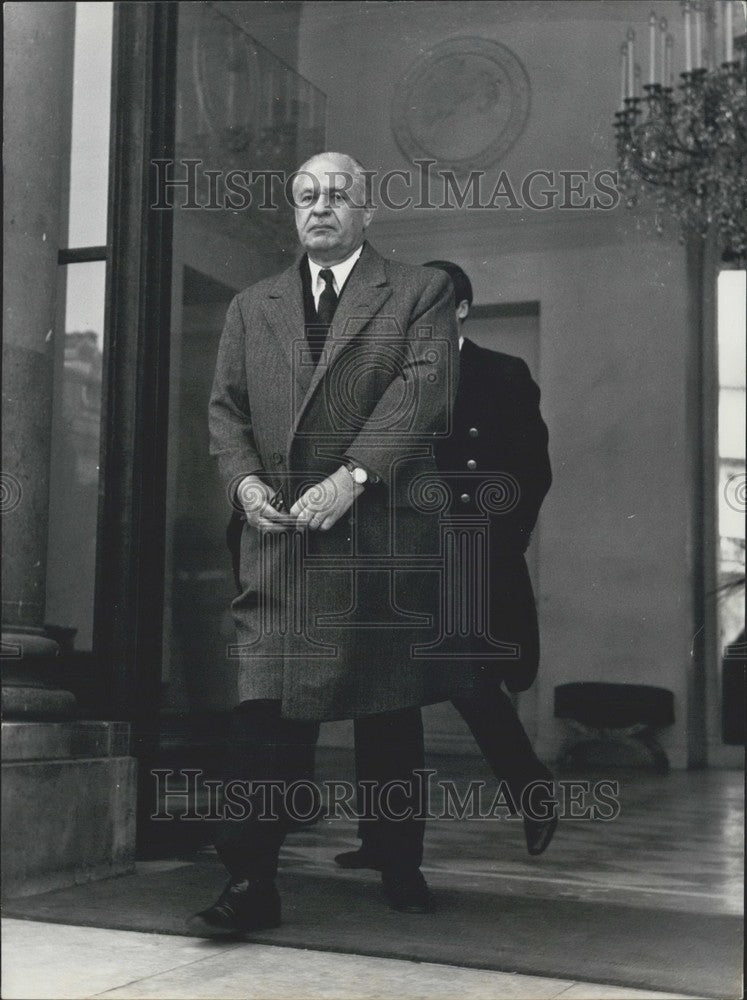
(348, 164)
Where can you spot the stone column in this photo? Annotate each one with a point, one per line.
(50, 760)
(38, 74)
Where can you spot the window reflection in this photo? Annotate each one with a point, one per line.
(75, 451)
(89, 149)
(239, 107)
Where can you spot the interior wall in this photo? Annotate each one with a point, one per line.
(357, 53)
(614, 536)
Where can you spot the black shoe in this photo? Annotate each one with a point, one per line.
(240, 908)
(539, 833)
(407, 891)
(358, 859)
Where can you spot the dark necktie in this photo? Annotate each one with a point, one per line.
(325, 312)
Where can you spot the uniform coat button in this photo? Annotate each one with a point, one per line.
(277, 458)
(464, 497)
(473, 432)
(471, 464)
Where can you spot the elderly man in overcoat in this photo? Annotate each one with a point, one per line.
(333, 381)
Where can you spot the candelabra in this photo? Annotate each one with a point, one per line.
(684, 149)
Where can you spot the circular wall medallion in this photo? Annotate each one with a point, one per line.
(463, 103)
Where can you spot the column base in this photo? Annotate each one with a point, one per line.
(68, 804)
(29, 673)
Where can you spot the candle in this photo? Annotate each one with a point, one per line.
(663, 50)
(652, 48)
(688, 39)
(698, 36)
(717, 31)
(631, 61)
(729, 31)
(623, 73)
(709, 53)
(669, 75)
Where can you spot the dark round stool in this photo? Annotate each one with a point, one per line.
(622, 713)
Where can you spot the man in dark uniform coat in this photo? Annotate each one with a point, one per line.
(329, 379)
(499, 437)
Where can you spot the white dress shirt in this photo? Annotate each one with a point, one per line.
(340, 273)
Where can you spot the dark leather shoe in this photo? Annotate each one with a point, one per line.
(357, 859)
(539, 833)
(240, 908)
(407, 891)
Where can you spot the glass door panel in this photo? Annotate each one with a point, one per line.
(241, 112)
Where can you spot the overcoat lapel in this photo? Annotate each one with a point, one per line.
(283, 307)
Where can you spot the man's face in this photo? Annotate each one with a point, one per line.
(330, 218)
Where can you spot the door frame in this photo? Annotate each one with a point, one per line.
(130, 543)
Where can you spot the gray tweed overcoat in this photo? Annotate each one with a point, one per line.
(342, 623)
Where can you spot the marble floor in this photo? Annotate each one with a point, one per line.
(676, 846)
(48, 961)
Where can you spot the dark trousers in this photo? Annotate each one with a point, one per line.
(267, 748)
(502, 739)
(388, 750)
(498, 732)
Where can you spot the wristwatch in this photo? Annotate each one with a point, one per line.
(359, 474)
